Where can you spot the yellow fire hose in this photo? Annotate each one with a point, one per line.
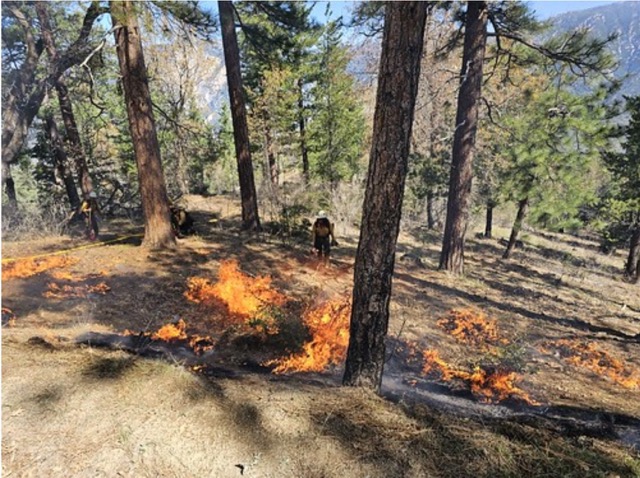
(64, 251)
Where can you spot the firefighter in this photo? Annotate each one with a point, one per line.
(323, 236)
(91, 212)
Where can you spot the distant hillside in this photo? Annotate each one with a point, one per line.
(622, 18)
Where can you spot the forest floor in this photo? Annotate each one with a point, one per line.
(562, 325)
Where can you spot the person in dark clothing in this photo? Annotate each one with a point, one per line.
(323, 236)
(181, 221)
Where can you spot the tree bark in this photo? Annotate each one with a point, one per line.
(523, 206)
(431, 219)
(23, 103)
(303, 135)
(469, 95)
(632, 266)
(397, 90)
(9, 185)
(155, 202)
(249, 199)
(61, 162)
(73, 143)
(488, 224)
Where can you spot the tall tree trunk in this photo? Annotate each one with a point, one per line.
(397, 90)
(73, 142)
(9, 185)
(303, 134)
(431, 219)
(250, 219)
(475, 40)
(61, 162)
(523, 205)
(632, 266)
(155, 203)
(488, 224)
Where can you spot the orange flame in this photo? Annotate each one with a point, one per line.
(487, 385)
(329, 328)
(175, 332)
(589, 356)
(471, 327)
(243, 295)
(55, 291)
(171, 332)
(22, 268)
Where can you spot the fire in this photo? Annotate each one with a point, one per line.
(243, 295)
(22, 268)
(171, 332)
(471, 327)
(589, 356)
(177, 332)
(489, 385)
(55, 291)
(328, 325)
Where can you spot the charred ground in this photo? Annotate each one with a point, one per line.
(72, 405)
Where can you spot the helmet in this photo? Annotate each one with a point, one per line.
(322, 215)
(93, 195)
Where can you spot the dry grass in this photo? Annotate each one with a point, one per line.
(82, 411)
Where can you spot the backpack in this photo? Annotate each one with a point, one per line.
(322, 227)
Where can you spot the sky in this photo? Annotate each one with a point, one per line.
(548, 9)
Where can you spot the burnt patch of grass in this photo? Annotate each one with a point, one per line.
(109, 368)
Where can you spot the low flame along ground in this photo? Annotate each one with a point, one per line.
(328, 325)
(588, 355)
(22, 268)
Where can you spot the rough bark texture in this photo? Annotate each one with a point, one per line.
(303, 134)
(488, 224)
(61, 162)
(250, 219)
(73, 143)
(523, 205)
(9, 186)
(395, 102)
(632, 267)
(469, 95)
(155, 202)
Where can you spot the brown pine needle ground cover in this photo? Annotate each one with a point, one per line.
(71, 410)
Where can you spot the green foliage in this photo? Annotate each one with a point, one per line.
(619, 208)
(337, 128)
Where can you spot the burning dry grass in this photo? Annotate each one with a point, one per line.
(328, 325)
(487, 384)
(243, 295)
(177, 332)
(56, 291)
(471, 327)
(588, 355)
(28, 267)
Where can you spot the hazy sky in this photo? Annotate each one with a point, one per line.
(548, 9)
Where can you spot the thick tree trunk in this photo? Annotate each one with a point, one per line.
(397, 89)
(431, 219)
(61, 162)
(632, 266)
(523, 205)
(469, 95)
(488, 224)
(73, 144)
(9, 186)
(155, 203)
(303, 135)
(250, 219)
